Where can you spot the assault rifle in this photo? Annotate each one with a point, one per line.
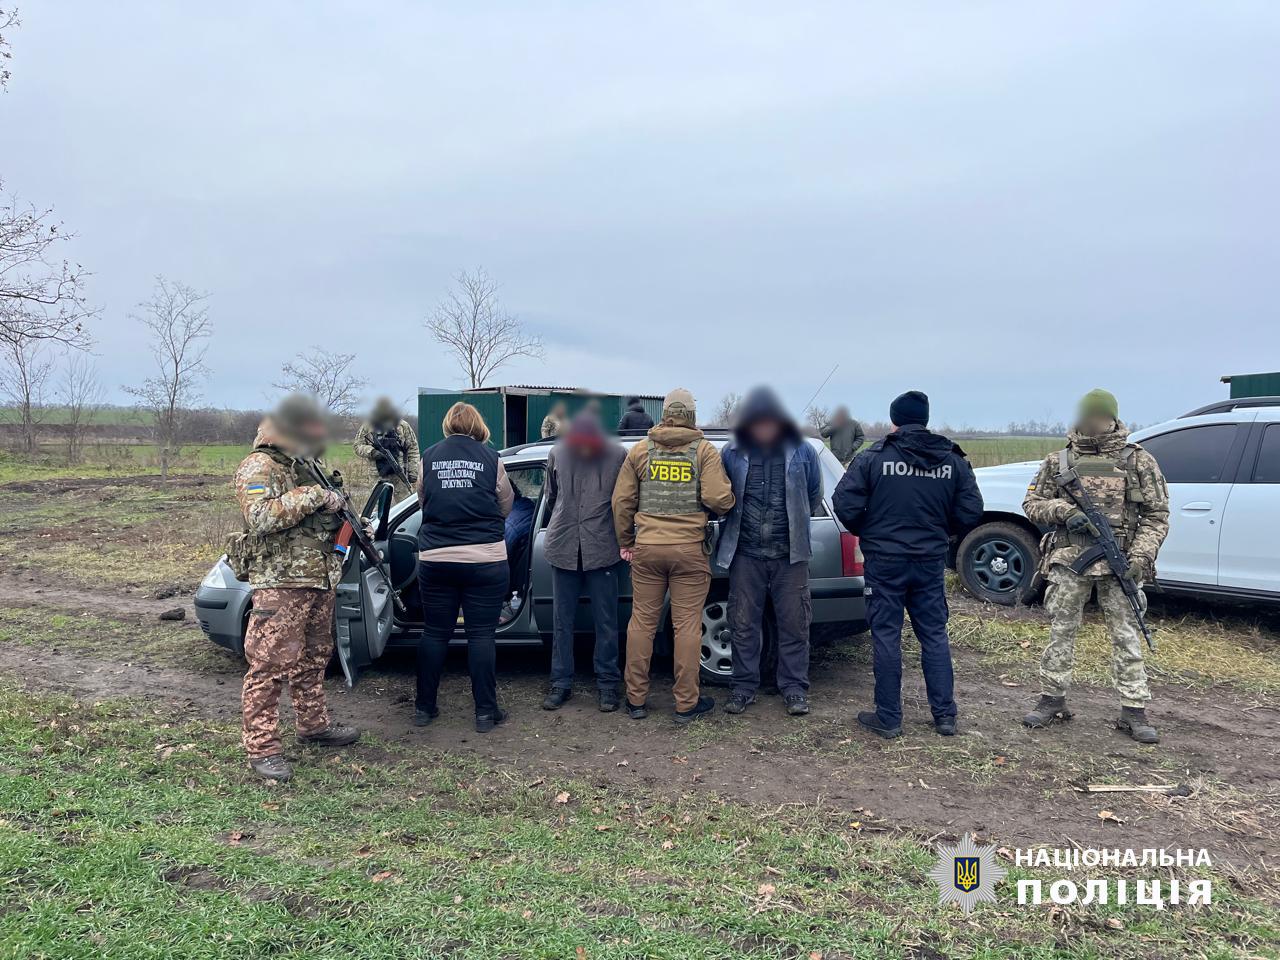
(353, 529)
(1107, 547)
(391, 457)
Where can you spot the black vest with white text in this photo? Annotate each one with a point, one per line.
(460, 479)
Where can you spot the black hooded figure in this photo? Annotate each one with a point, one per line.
(904, 496)
(635, 420)
(764, 544)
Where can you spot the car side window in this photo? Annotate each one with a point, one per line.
(1267, 467)
(1195, 454)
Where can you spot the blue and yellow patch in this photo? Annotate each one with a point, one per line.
(255, 490)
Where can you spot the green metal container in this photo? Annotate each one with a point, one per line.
(1245, 385)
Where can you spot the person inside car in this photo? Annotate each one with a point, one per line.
(462, 559)
(764, 544)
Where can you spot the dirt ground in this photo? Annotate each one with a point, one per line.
(997, 779)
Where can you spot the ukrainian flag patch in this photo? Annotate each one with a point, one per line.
(255, 490)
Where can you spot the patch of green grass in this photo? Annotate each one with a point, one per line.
(993, 451)
(163, 644)
(126, 832)
(139, 459)
(1190, 650)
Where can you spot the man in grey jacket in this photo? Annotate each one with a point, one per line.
(582, 548)
(845, 434)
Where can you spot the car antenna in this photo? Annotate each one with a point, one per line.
(819, 390)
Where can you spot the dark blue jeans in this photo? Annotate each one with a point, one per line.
(916, 585)
(601, 587)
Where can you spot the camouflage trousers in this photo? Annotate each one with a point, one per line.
(1067, 594)
(290, 640)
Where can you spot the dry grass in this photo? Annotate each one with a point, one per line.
(1191, 649)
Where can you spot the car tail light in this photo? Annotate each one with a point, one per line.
(850, 556)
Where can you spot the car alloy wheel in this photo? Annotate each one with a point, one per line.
(717, 642)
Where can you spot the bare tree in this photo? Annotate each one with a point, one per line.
(81, 394)
(23, 379)
(726, 410)
(41, 296)
(326, 376)
(471, 322)
(817, 417)
(178, 323)
(8, 20)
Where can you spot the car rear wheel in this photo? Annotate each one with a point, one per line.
(997, 562)
(717, 643)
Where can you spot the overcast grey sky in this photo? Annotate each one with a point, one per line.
(1003, 204)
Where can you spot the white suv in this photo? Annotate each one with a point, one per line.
(1222, 464)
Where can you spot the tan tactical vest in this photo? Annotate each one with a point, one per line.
(670, 485)
(1112, 484)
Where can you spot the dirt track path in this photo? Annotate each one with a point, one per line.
(998, 779)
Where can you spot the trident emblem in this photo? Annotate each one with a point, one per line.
(967, 873)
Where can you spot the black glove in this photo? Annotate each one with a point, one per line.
(1077, 521)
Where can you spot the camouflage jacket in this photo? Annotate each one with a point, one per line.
(288, 538)
(1141, 513)
(368, 454)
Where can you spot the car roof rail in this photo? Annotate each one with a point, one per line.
(1226, 406)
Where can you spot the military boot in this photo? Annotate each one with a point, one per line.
(1046, 711)
(334, 735)
(274, 767)
(1133, 721)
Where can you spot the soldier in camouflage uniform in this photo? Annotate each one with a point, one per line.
(287, 553)
(384, 442)
(1125, 483)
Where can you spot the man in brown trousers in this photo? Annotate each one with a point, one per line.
(286, 551)
(665, 488)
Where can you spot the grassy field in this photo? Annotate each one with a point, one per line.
(140, 459)
(130, 826)
(128, 832)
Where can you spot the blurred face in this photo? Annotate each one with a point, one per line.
(1095, 424)
(765, 432)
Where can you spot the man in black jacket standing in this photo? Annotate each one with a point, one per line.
(904, 496)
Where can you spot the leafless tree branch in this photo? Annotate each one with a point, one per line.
(326, 376)
(8, 20)
(41, 296)
(24, 377)
(726, 410)
(481, 335)
(81, 395)
(178, 323)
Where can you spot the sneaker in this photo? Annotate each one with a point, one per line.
(334, 735)
(487, 721)
(637, 712)
(738, 702)
(423, 717)
(870, 720)
(704, 705)
(797, 704)
(609, 701)
(274, 767)
(945, 727)
(556, 698)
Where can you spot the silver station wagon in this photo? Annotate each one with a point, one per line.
(367, 622)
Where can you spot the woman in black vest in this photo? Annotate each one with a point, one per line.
(462, 559)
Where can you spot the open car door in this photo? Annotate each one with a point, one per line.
(365, 611)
